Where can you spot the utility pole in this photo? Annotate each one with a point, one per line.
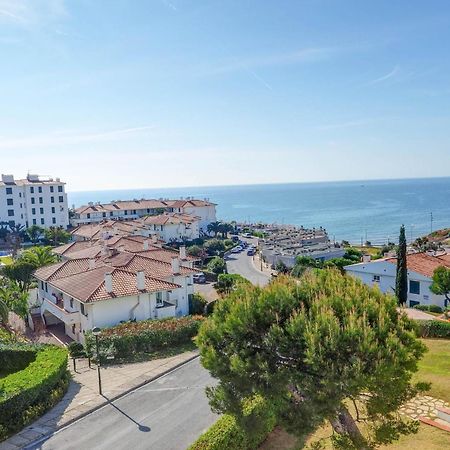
(431, 221)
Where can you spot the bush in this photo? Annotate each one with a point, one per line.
(27, 393)
(147, 336)
(433, 329)
(15, 357)
(197, 304)
(76, 350)
(429, 308)
(248, 433)
(229, 243)
(227, 282)
(214, 245)
(217, 265)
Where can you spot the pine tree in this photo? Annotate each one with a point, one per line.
(401, 281)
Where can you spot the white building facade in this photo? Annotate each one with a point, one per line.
(382, 273)
(33, 201)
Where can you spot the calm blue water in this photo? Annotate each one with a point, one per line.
(372, 210)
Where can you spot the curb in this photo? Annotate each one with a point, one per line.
(112, 399)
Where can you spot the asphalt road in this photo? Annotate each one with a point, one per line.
(243, 265)
(166, 414)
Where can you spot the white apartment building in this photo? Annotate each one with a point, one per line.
(382, 273)
(34, 200)
(134, 209)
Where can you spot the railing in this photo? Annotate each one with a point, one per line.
(66, 316)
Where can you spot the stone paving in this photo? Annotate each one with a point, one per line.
(82, 396)
(423, 406)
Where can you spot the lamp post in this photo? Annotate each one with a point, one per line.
(96, 332)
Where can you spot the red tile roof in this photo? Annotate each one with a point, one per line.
(424, 263)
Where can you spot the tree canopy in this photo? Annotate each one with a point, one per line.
(217, 265)
(401, 280)
(38, 256)
(310, 347)
(441, 283)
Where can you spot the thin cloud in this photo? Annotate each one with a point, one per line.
(31, 12)
(70, 138)
(385, 77)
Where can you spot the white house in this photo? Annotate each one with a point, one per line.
(421, 266)
(79, 294)
(34, 200)
(134, 209)
(173, 227)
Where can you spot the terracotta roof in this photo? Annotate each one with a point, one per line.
(163, 254)
(89, 286)
(169, 218)
(71, 247)
(424, 263)
(62, 269)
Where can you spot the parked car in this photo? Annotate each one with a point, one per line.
(199, 278)
(250, 251)
(237, 249)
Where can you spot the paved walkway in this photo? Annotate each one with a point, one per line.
(416, 314)
(423, 406)
(82, 396)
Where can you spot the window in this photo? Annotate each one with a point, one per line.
(83, 309)
(42, 221)
(33, 211)
(42, 285)
(53, 210)
(34, 221)
(61, 198)
(41, 210)
(33, 200)
(40, 189)
(9, 201)
(414, 287)
(111, 214)
(53, 220)
(45, 287)
(71, 303)
(51, 189)
(41, 200)
(60, 188)
(159, 298)
(32, 190)
(104, 214)
(21, 205)
(73, 331)
(9, 191)
(10, 212)
(20, 194)
(88, 216)
(126, 212)
(52, 199)
(376, 278)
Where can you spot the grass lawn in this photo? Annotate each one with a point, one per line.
(434, 368)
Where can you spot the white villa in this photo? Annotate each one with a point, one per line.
(134, 209)
(34, 200)
(80, 293)
(421, 266)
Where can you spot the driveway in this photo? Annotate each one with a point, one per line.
(166, 414)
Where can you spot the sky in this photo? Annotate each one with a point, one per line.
(124, 94)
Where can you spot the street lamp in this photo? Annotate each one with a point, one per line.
(96, 332)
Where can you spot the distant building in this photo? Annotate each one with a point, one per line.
(382, 273)
(34, 200)
(285, 243)
(135, 209)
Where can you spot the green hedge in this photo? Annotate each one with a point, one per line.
(15, 357)
(228, 434)
(28, 393)
(433, 329)
(147, 336)
(429, 308)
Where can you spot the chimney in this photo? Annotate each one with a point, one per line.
(146, 245)
(91, 263)
(182, 252)
(175, 265)
(140, 280)
(366, 258)
(108, 282)
(154, 238)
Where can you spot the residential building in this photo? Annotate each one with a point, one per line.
(34, 200)
(134, 209)
(115, 286)
(382, 273)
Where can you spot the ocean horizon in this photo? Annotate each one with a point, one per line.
(356, 211)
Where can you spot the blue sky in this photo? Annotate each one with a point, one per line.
(159, 93)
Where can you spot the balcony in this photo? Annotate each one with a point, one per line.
(58, 311)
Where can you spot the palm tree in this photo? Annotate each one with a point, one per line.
(34, 233)
(213, 227)
(16, 236)
(39, 256)
(14, 299)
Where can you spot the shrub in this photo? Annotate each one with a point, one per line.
(217, 265)
(76, 350)
(27, 393)
(197, 304)
(214, 245)
(430, 308)
(433, 329)
(147, 336)
(15, 357)
(246, 434)
(227, 282)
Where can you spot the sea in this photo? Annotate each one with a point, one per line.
(356, 211)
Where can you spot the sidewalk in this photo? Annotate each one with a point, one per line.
(266, 270)
(82, 396)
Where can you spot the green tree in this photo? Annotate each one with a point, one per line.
(34, 233)
(56, 236)
(214, 245)
(441, 283)
(15, 299)
(303, 264)
(225, 228)
(38, 256)
(21, 272)
(4, 312)
(401, 280)
(281, 267)
(213, 227)
(197, 304)
(217, 265)
(227, 282)
(311, 347)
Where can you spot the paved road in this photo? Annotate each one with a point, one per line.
(166, 414)
(242, 264)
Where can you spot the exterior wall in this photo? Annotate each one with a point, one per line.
(207, 214)
(43, 212)
(386, 272)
